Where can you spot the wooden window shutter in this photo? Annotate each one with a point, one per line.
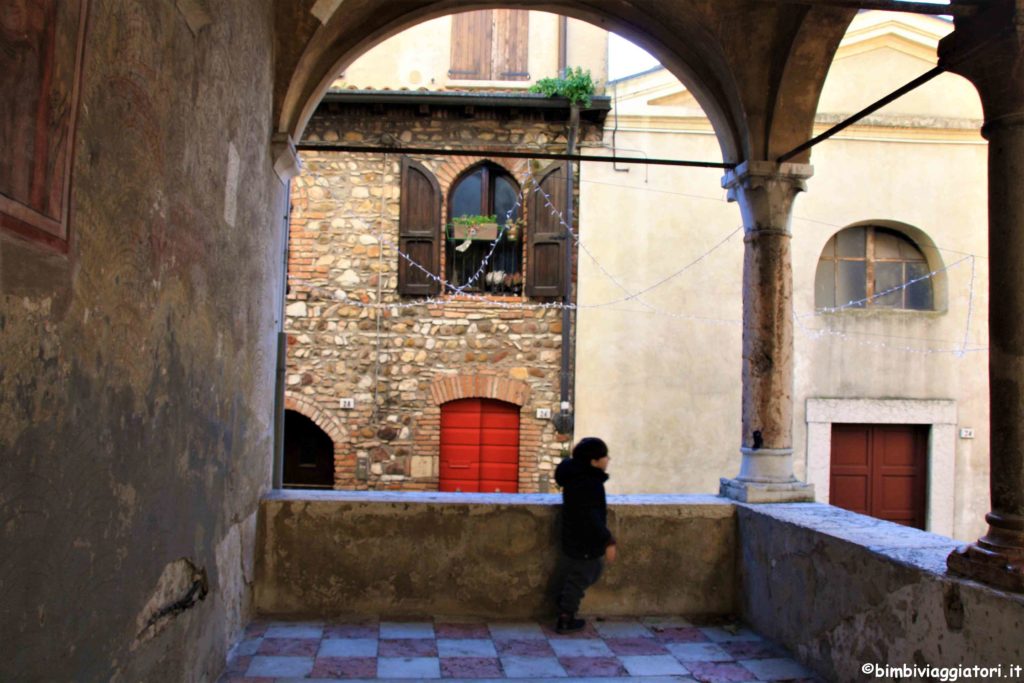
(419, 229)
(545, 271)
(471, 45)
(511, 45)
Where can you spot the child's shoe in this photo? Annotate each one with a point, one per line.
(568, 623)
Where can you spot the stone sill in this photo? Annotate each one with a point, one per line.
(485, 298)
(878, 312)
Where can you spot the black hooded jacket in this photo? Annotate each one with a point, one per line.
(585, 533)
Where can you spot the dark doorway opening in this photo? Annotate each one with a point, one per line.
(308, 454)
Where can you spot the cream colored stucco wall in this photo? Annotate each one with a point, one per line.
(420, 56)
(659, 375)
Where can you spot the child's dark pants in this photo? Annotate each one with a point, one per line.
(579, 575)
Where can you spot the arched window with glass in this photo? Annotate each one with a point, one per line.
(482, 255)
(873, 267)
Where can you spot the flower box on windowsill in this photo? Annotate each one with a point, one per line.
(480, 231)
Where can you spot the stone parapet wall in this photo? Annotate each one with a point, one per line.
(485, 555)
(843, 590)
(400, 363)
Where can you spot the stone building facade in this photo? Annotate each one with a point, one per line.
(373, 367)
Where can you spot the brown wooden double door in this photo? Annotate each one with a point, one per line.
(880, 470)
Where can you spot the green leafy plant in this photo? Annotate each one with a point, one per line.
(577, 86)
(474, 220)
(514, 228)
(476, 226)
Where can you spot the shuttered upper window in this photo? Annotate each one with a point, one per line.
(490, 45)
(480, 263)
(545, 274)
(419, 228)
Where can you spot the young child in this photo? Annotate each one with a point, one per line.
(586, 540)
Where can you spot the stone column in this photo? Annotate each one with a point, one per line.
(988, 50)
(765, 192)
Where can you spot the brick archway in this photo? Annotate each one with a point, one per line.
(301, 404)
(454, 387)
(453, 167)
(344, 460)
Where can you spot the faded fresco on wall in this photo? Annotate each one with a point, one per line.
(40, 57)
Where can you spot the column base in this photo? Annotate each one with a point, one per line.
(760, 492)
(997, 558)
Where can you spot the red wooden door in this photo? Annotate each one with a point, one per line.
(880, 470)
(479, 446)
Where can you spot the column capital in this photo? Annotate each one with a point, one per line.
(286, 160)
(755, 173)
(765, 191)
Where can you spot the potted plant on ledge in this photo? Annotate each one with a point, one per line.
(514, 229)
(476, 227)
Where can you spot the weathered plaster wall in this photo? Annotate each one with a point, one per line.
(842, 590)
(494, 555)
(136, 381)
(672, 352)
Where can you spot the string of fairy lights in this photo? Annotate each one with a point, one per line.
(459, 294)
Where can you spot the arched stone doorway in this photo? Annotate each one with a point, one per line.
(308, 453)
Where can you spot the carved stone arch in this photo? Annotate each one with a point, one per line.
(453, 387)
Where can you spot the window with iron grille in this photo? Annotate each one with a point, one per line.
(487, 262)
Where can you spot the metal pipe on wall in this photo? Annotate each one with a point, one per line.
(277, 475)
(565, 425)
(563, 45)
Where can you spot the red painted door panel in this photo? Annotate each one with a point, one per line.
(479, 446)
(460, 446)
(880, 470)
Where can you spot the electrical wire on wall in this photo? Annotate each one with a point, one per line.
(892, 342)
(378, 314)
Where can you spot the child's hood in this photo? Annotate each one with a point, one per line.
(570, 471)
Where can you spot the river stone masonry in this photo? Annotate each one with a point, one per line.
(400, 363)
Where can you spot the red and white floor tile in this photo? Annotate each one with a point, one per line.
(654, 649)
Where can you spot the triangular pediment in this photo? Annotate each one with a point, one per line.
(680, 98)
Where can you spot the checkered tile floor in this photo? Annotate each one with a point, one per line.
(607, 649)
